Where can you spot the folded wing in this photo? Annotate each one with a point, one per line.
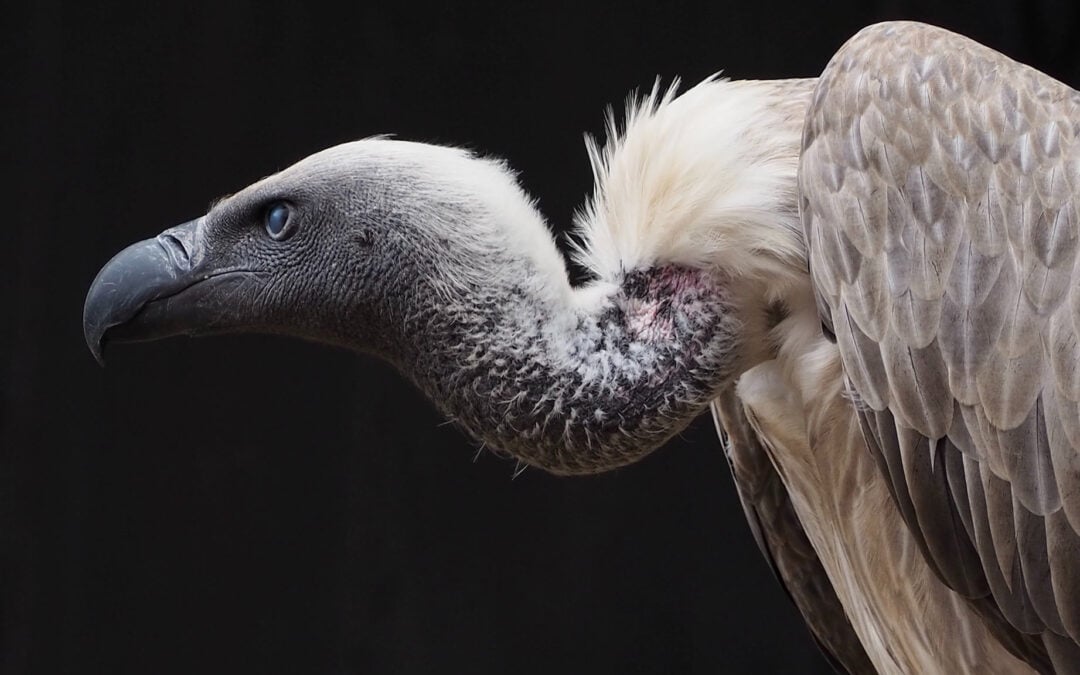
(938, 187)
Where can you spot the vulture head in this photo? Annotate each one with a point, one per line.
(335, 248)
(435, 260)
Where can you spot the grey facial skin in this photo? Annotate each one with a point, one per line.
(385, 255)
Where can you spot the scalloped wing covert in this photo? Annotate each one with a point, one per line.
(938, 186)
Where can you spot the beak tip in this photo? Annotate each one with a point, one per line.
(133, 277)
(99, 355)
(120, 304)
(95, 342)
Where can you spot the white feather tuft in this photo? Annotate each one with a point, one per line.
(704, 179)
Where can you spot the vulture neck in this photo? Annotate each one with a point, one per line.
(574, 381)
(708, 179)
(694, 236)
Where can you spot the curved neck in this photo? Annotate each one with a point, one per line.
(579, 383)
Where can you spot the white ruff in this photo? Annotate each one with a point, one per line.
(705, 179)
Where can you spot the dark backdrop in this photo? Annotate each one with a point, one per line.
(254, 504)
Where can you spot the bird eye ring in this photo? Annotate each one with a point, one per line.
(278, 221)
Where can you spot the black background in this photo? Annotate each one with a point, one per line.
(253, 504)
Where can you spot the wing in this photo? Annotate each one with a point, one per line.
(939, 199)
(780, 536)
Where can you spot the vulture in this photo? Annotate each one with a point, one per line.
(869, 277)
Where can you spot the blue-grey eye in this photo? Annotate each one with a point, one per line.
(277, 218)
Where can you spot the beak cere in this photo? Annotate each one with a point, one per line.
(157, 288)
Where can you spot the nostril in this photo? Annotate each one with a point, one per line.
(175, 248)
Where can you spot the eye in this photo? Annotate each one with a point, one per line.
(277, 221)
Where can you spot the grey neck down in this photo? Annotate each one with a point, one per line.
(570, 390)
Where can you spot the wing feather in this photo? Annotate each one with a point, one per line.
(939, 189)
(780, 536)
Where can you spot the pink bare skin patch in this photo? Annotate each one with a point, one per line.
(658, 298)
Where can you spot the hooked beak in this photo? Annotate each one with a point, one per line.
(157, 288)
